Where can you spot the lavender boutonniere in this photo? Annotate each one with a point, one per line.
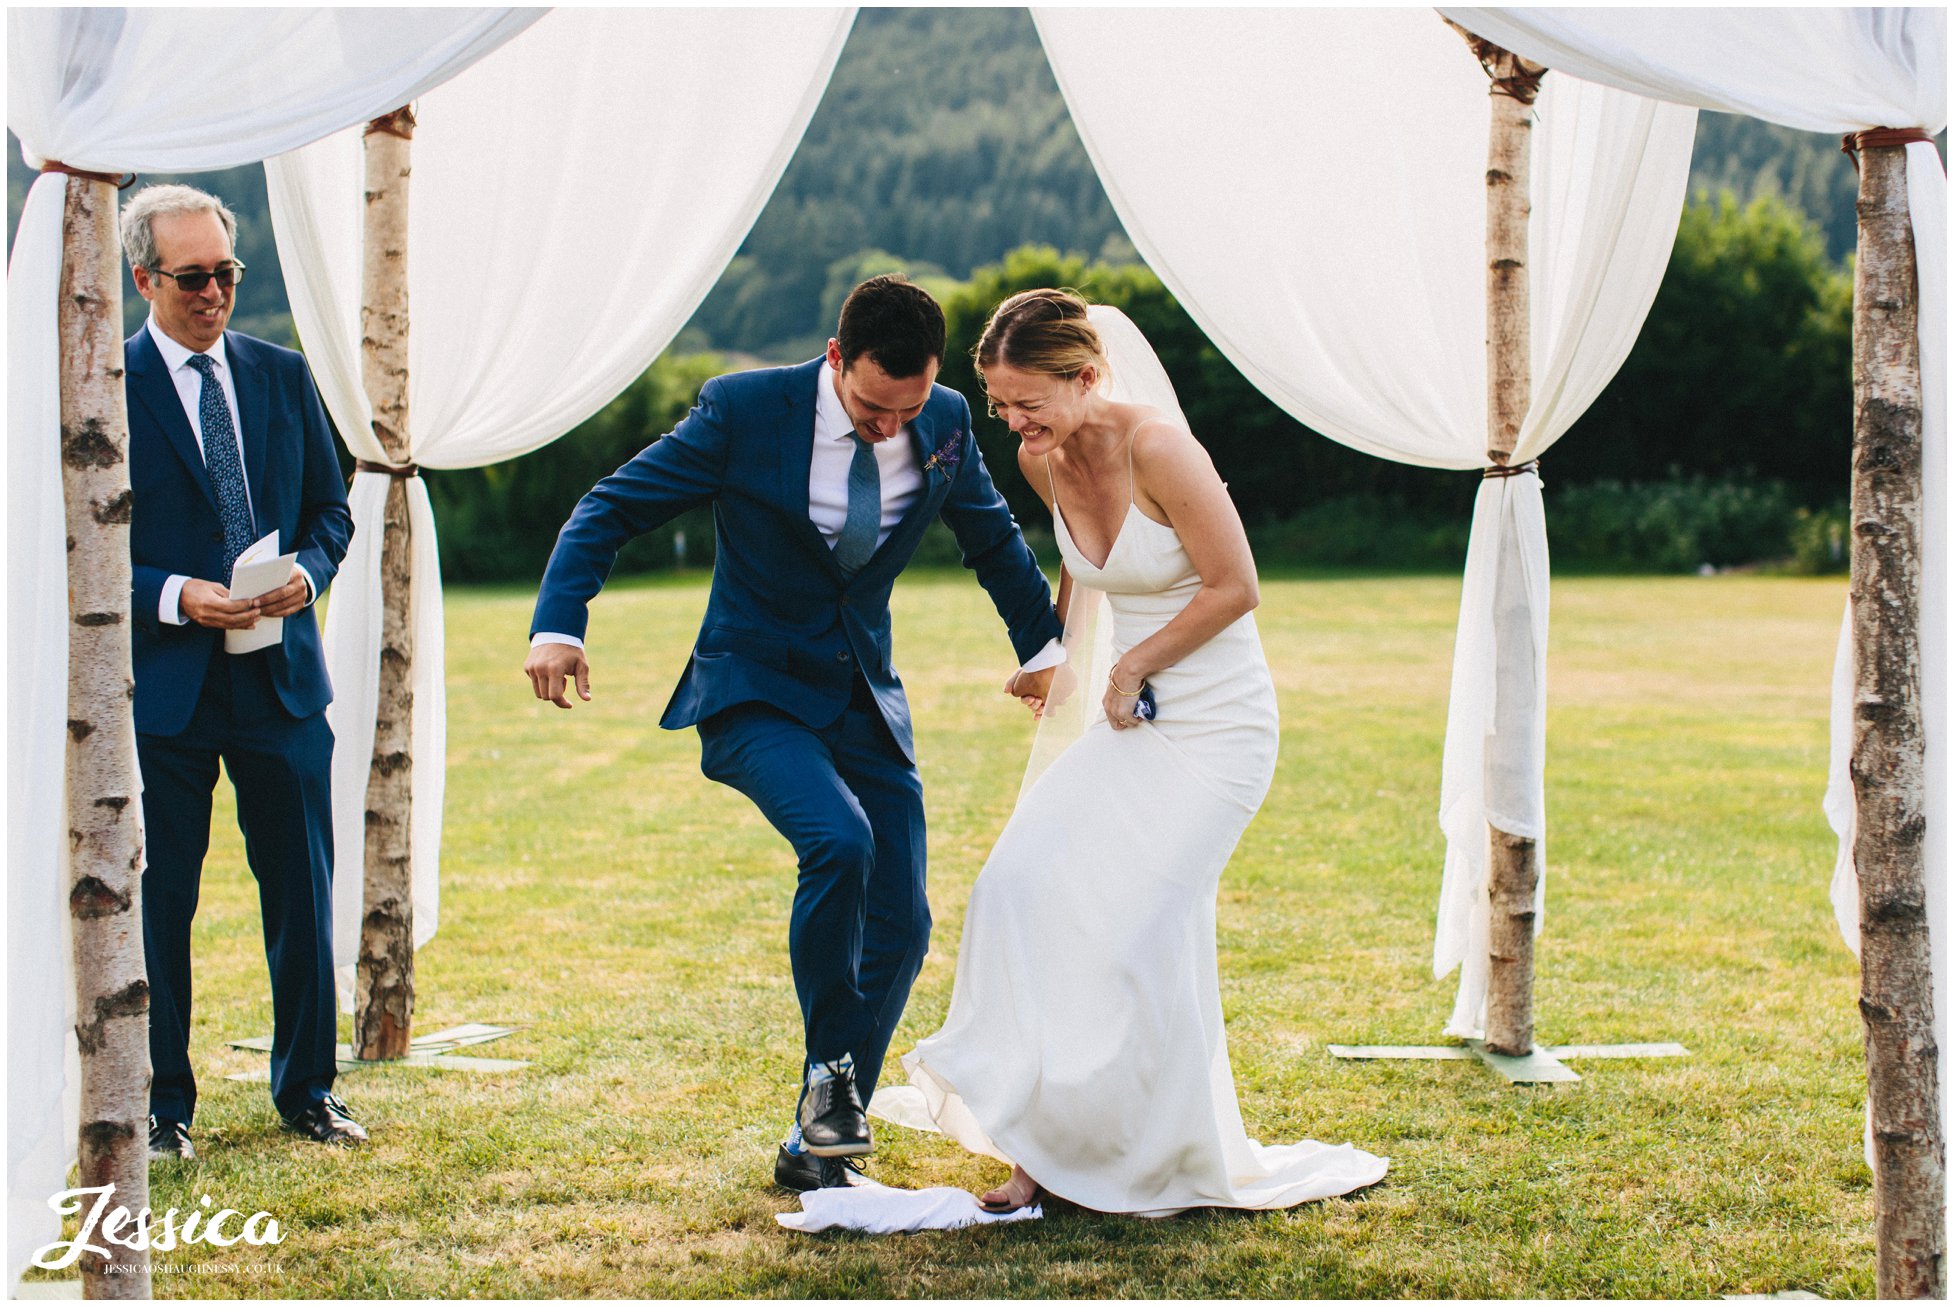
(947, 455)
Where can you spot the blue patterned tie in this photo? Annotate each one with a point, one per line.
(221, 459)
(858, 534)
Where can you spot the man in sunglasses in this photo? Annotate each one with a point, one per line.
(228, 442)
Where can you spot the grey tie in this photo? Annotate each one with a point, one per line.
(221, 460)
(856, 542)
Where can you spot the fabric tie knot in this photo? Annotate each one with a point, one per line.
(222, 461)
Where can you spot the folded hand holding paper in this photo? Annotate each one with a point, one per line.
(260, 569)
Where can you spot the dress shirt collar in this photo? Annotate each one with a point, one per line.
(830, 418)
(176, 354)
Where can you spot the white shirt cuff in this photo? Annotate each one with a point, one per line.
(1050, 656)
(170, 611)
(554, 637)
(311, 588)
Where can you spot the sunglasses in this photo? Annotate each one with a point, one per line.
(192, 282)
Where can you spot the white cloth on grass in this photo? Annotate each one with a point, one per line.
(871, 1208)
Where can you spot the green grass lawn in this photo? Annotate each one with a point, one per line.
(631, 917)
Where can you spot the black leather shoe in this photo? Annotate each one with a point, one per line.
(170, 1140)
(329, 1122)
(833, 1123)
(804, 1171)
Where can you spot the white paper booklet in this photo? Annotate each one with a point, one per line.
(259, 568)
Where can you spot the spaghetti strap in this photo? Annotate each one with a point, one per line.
(1132, 490)
(1051, 478)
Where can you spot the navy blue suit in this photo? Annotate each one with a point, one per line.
(790, 683)
(262, 713)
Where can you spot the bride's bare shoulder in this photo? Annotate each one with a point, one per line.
(1168, 465)
(1161, 440)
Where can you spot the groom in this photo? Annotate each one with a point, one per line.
(822, 478)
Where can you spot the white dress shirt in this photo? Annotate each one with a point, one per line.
(827, 490)
(189, 385)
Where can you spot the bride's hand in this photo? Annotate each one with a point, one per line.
(1120, 709)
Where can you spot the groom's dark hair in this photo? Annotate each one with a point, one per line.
(893, 321)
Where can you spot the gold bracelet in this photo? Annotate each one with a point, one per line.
(1124, 694)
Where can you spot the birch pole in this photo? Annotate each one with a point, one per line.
(104, 842)
(1896, 995)
(383, 1005)
(1513, 862)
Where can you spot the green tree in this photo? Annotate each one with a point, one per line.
(1743, 368)
(1749, 158)
(844, 274)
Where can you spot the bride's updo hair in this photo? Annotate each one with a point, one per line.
(1043, 331)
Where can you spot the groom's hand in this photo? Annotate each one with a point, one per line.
(552, 668)
(1035, 689)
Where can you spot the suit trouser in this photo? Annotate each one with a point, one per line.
(281, 767)
(852, 806)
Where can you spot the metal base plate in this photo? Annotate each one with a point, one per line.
(1536, 1068)
(431, 1050)
(1542, 1066)
(49, 1290)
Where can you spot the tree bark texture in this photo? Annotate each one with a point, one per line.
(1509, 318)
(1896, 993)
(383, 1011)
(1513, 876)
(104, 843)
(1513, 866)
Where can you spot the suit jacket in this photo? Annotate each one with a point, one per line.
(293, 474)
(783, 626)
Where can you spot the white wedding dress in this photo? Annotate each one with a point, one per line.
(1084, 1040)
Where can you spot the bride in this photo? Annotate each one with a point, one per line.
(1084, 1043)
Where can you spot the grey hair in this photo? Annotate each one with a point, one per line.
(140, 213)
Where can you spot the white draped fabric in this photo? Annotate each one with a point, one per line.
(574, 196)
(43, 1075)
(1823, 70)
(1819, 69)
(102, 89)
(107, 89)
(1336, 256)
